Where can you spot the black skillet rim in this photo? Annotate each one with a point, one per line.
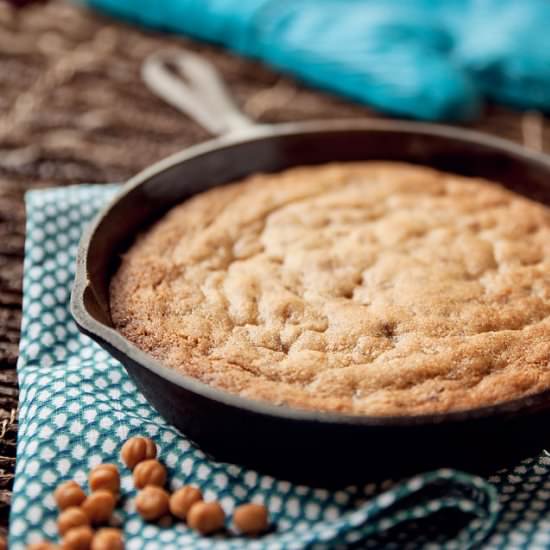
(98, 331)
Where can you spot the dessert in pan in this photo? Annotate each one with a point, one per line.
(364, 288)
(334, 289)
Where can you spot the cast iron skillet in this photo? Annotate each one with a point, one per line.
(313, 447)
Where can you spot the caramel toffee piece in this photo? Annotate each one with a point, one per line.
(366, 288)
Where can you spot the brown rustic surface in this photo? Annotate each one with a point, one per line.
(73, 109)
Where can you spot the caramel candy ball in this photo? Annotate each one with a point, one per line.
(108, 539)
(136, 450)
(79, 538)
(182, 500)
(43, 545)
(69, 494)
(152, 503)
(149, 472)
(70, 518)
(99, 506)
(251, 519)
(105, 476)
(206, 517)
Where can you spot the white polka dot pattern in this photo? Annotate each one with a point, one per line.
(78, 405)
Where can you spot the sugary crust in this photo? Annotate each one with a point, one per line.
(365, 288)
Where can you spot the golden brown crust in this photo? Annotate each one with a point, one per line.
(365, 288)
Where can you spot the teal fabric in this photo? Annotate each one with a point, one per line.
(428, 59)
(78, 405)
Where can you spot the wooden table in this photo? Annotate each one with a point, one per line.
(73, 109)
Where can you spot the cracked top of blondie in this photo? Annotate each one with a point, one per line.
(364, 288)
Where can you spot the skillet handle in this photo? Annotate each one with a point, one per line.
(193, 85)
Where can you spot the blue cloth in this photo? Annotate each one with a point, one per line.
(428, 59)
(78, 405)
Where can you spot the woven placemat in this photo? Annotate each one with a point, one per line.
(73, 109)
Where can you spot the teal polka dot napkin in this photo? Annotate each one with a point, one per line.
(78, 405)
